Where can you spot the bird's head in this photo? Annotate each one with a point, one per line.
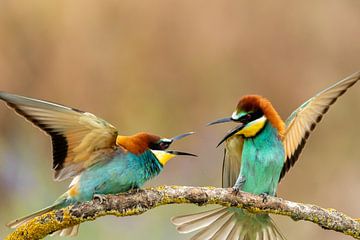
(251, 114)
(141, 142)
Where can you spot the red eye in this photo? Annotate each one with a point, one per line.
(164, 145)
(246, 118)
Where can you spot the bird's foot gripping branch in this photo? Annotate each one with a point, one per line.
(137, 202)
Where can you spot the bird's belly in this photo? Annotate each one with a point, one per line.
(262, 179)
(109, 179)
(261, 169)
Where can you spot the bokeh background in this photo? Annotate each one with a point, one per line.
(168, 67)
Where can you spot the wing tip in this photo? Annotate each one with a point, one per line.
(356, 75)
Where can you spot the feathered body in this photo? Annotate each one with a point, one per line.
(262, 161)
(258, 153)
(262, 153)
(120, 173)
(259, 150)
(89, 150)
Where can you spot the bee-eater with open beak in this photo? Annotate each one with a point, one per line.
(258, 153)
(89, 150)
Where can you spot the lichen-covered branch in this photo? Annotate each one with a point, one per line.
(139, 201)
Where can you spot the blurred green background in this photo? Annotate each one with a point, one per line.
(168, 67)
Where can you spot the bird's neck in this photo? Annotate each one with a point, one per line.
(269, 133)
(273, 116)
(151, 165)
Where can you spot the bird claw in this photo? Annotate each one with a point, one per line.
(236, 191)
(136, 190)
(264, 197)
(238, 185)
(99, 197)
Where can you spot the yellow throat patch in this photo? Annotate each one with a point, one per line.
(163, 156)
(253, 128)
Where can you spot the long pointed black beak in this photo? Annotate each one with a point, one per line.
(221, 120)
(176, 138)
(180, 153)
(181, 136)
(231, 133)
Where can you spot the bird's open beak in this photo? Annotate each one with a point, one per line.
(165, 155)
(180, 153)
(231, 132)
(221, 120)
(181, 136)
(176, 138)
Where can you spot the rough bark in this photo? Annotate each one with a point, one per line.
(140, 201)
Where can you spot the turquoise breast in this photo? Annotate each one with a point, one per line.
(121, 173)
(262, 160)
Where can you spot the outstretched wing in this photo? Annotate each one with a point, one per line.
(232, 161)
(78, 138)
(304, 119)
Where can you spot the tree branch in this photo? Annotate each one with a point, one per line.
(139, 201)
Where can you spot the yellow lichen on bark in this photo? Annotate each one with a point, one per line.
(42, 226)
(139, 201)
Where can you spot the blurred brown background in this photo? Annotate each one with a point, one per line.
(168, 67)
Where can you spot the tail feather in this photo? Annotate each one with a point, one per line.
(235, 232)
(20, 221)
(179, 220)
(75, 231)
(228, 224)
(211, 230)
(70, 231)
(268, 234)
(67, 232)
(272, 227)
(225, 230)
(60, 202)
(196, 222)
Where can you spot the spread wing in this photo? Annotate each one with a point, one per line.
(232, 161)
(78, 138)
(304, 119)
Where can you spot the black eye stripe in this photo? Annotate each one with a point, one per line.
(251, 117)
(160, 145)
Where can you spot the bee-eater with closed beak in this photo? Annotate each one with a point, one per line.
(89, 150)
(258, 153)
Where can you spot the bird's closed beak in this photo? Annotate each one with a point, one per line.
(231, 132)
